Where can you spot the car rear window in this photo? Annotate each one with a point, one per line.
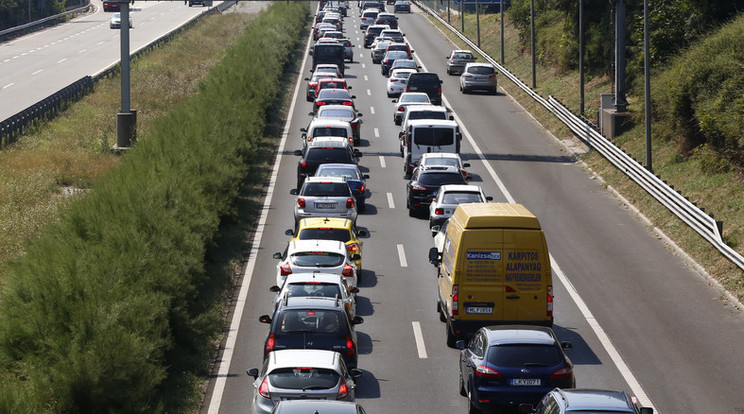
(326, 189)
(316, 321)
(332, 154)
(302, 378)
(341, 235)
(442, 161)
(426, 78)
(317, 259)
(459, 198)
(441, 178)
(396, 54)
(427, 115)
(326, 290)
(481, 70)
(461, 55)
(413, 98)
(329, 132)
(524, 355)
(433, 136)
(335, 113)
(348, 173)
(331, 93)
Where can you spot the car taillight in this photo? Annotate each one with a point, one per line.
(349, 203)
(353, 247)
(550, 301)
(349, 345)
(455, 300)
(263, 389)
(269, 345)
(484, 371)
(408, 89)
(343, 390)
(393, 79)
(320, 103)
(401, 108)
(439, 90)
(303, 164)
(301, 202)
(467, 76)
(285, 269)
(439, 211)
(492, 77)
(309, 138)
(347, 103)
(348, 271)
(417, 187)
(566, 372)
(362, 188)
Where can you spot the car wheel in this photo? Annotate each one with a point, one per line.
(464, 90)
(390, 95)
(462, 387)
(411, 211)
(442, 317)
(473, 410)
(397, 121)
(451, 338)
(449, 72)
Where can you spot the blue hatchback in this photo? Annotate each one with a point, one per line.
(353, 176)
(511, 365)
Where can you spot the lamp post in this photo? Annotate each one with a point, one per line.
(581, 57)
(647, 86)
(477, 21)
(532, 42)
(501, 17)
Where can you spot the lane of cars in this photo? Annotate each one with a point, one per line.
(308, 316)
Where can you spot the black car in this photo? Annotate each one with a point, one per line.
(389, 58)
(332, 96)
(388, 19)
(424, 185)
(313, 323)
(372, 33)
(427, 82)
(402, 6)
(324, 151)
(512, 365)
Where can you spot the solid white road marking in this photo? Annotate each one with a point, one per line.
(419, 339)
(377, 133)
(382, 162)
(391, 204)
(402, 256)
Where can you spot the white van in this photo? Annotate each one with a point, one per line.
(428, 135)
(322, 127)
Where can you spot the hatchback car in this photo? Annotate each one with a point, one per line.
(331, 83)
(317, 406)
(402, 6)
(324, 128)
(405, 64)
(581, 401)
(395, 34)
(324, 197)
(372, 33)
(312, 323)
(427, 82)
(351, 174)
(407, 99)
(478, 76)
(324, 151)
(388, 19)
(308, 256)
(401, 46)
(333, 97)
(447, 199)
(332, 228)
(425, 183)
(115, 22)
(444, 158)
(457, 59)
(389, 58)
(301, 374)
(312, 83)
(327, 285)
(511, 365)
(396, 83)
(342, 113)
(378, 51)
(368, 18)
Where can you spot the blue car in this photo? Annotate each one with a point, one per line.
(512, 365)
(353, 176)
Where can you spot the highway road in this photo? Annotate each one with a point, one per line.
(638, 317)
(37, 65)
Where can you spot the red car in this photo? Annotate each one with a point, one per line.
(333, 83)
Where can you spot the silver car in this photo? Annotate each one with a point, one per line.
(457, 59)
(301, 374)
(406, 99)
(328, 285)
(317, 406)
(447, 199)
(480, 76)
(324, 197)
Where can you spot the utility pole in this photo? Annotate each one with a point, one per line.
(126, 120)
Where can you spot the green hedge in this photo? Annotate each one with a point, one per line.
(106, 312)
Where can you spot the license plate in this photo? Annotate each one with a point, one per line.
(478, 309)
(529, 382)
(325, 205)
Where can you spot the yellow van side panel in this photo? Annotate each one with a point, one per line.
(526, 275)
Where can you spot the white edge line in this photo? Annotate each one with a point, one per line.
(226, 360)
(402, 256)
(420, 347)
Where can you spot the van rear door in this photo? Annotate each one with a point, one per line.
(526, 275)
(481, 290)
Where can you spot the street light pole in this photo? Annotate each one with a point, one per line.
(532, 42)
(581, 57)
(477, 21)
(647, 85)
(501, 17)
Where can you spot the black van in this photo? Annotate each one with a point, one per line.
(329, 53)
(427, 82)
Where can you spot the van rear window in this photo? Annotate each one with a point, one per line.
(328, 50)
(330, 132)
(434, 136)
(426, 115)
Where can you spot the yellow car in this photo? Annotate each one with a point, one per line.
(331, 228)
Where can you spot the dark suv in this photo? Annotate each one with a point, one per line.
(313, 322)
(427, 82)
(372, 32)
(424, 185)
(388, 19)
(578, 401)
(323, 151)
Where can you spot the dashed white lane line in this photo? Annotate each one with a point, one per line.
(419, 339)
(369, 92)
(372, 110)
(377, 133)
(402, 256)
(364, 66)
(8, 85)
(61, 60)
(391, 204)
(365, 77)
(382, 162)
(38, 71)
(83, 51)
(99, 43)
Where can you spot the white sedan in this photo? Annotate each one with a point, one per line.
(396, 83)
(308, 256)
(115, 22)
(447, 199)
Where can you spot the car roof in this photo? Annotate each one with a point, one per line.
(305, 406)
(439, 169)
(329, 123)
(312, 302)
(336, 222)
(335, 142)
(519, 334)
(331, 246)
(438, 122)
(595, 399)
(317, 358)
(430, 108)
(324, 180)
(460, 188)
(343, 93)
(339, 165)
(471, 64)
(440, 155)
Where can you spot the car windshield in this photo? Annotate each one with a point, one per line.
(440, 178)
(335, 113)
(303, 378)
(348, 173)
(481, 70)
(326, 290)
(329, 132)
(312, 321)
(396, 54)
(407, 98)
(524, 355)
(434, 136)
(460, 198)
(317, 259)
(341, 235)
(328, 154)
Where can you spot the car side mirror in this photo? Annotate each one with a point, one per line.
(264, 319)
(253, 372)
(356, 256)
(357, 153)
(357, 320)
(465, 164)
(459, 136)
(293, 191)
(434, 256)
(460, 344)
(348, 87)
(277, 255)
(303, 130)
(362, 233)
(412, 50)
(440, 81)
(310, 114)
(275, 289)
(307, 79)
(353, 96)
(356, 373)
(359, 114)
(366, 176)
(289, 232)
(489, 198)
(468, 178)
(566, 345)
(435, 228)
(354, 290)
(394, 101)
(298, 153)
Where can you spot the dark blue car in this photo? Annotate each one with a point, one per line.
(353, 176)
(512, 365)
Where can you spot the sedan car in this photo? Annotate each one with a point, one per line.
(406, 99)
(353, 177)
(396, 83)
(312, 323)
(378, 51)
(324, 197)
(333, 97)
(425, 183)
(330, 83)
(115, 22)
(332, 228)
(447, 199)
(579, 401)
(301, 374)
(389, 58)
(511, 365)
(327, 285)
(402, 6)
(480, 76)
(308, 256)
(323, 151)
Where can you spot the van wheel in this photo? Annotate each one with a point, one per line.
(472, 409)
(451, 338)
(442, 316)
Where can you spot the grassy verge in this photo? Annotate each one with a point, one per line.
(722, 194)
(115, 303)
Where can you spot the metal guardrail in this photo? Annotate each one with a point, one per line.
(44, 20)
(14, 126)
(692, 215)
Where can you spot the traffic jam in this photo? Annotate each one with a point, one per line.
(491, 260)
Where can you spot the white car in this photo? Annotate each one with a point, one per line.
(406, 99)
(444, 158)
(447, 199)
(396, 83)
(327, 285)
(308, 256)
(115, 22)
(342, 113)
(422, 112)
(324, 127)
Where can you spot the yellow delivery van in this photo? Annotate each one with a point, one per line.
(493, 268)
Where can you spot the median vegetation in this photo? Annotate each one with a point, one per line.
(115, 306)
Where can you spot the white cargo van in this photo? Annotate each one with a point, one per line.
(428, 135)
